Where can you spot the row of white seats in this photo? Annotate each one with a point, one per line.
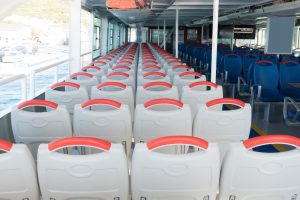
(197, 175)
(111, 120)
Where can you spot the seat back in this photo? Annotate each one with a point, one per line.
(233, 65)
(115, 91)
(196, 94)
(178, 177)
(247, 174)
(103, 64)
(216, 125)
(248, 60)
(153, 77)
(289, 57)
(178, 69)
(161, 117)
(270, 57)
(102, 175)
(73, 94)
(120, 77)
(265, 73)
(17, 172)
(150, 68)
(186, 78)
(289, 73)
(96, 71)
(84, 79)
(113, 125)
(155, 90)
(35, 127)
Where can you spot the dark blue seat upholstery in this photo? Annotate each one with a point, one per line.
(248, 60)
(289, 57)
(266, 74)
(270, 57)
(289, 73)
(232, 64)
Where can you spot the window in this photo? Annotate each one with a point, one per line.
(110, 36)
(192, 34)
(86, 35)
(97, 34)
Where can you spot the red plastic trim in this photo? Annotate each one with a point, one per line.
(153, 84)
(250, 55)
(100, 61)
(163, 101)
(288, 61)
(79, 141)
(173, 61)
(271, 139)
(151, 67)
(226, 101)
(117, 74)
(154, 74)
(81, 74)
(91, 67)
(64, 84)
(5, 145)
(36, 102)
(126, 62)
(120, 67)
(202, 83)
(190, 73)
(263, 61)
(180, 67)
(111, 84)
(108, 102)
(180, 140)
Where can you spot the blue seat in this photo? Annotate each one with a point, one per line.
(232, 64)
(248, 61)
(289, 57)
(290, 73)
(270, 57)
(266, 75)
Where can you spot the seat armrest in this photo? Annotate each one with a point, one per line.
(289, 101)
(241, 81)
(255, 93)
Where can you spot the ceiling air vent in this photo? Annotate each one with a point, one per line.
(126, 4)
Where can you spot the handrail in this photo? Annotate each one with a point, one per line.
(36, 68)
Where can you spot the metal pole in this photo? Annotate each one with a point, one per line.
(158, 35)
(164, 34)
(214, 42)
(176, 33)
(75, 44)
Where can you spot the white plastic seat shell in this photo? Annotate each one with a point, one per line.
(251, 175)
(113, 125)
(17, 172)
(102, 175)
(84, 79)
(158, 176)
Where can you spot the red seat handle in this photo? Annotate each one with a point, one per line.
(151, 67)
(272, 139)
(226, 101)
(120, 67)
(108, 102)
(163, 101)
(79, 141)
(81, 74)
(181, 67)
(289, 61)
(190, 73)
(65, 84)
(154, 84)
(36, 102)
(100, 62)
(5, 145)
(117, 74)
(177, 140)
(203, 83)
(111, 84)
(263, 61)
(154, 74)
(91, 67)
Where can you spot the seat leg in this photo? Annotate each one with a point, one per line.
(267, 112)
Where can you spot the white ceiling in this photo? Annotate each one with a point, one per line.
(189, 10)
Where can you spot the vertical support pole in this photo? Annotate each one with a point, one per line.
(214, 42)
(176, 33)
(165, 35)
(158, 35)
(202, 33)
(75, 31)
(104, 36)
